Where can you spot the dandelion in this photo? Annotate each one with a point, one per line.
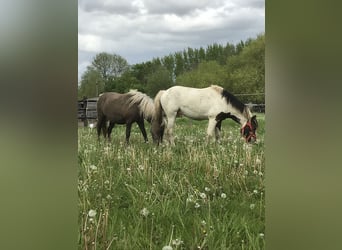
(91, 213)
(207, 189)
(261, 235)
(197, 205)
(141, 167)
(252, 206)
(257, 161)
(177, 242)
(255, 171)
(203, 223)
(255, 191)
(106, 182)
(167, 248)
(144, 212)
(91, 125)
(223, 196)
(93, 167)
(190, 198)
(203, 195)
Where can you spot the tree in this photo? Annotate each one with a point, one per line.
(157, 80)
(91, 83)
(207, 73)
(110, 66)
(246, 70)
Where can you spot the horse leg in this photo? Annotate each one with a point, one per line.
(128, 131)
(218, 130)
(142, 129)
(101, 125)
(211, 128)
(109, 131)
(169, 128)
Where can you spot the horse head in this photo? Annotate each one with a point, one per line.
(249, 129)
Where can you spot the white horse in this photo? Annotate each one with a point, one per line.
(212, 103)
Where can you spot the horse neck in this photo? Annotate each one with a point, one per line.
(244, 116)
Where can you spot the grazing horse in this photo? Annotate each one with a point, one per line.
(212, 103)
(127, 108)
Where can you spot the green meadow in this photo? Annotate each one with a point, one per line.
(194, 195)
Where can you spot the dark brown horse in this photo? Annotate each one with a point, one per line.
(127, 108)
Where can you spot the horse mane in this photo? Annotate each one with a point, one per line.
(144, 102)
(230, 98)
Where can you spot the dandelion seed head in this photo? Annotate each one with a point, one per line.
(207, 189)
(93, 167)
(91, 213)
(255, 191)
(144, 212)
(177, 242)
(197, 205)
(203, 195)
(203, 223)
(223, 196)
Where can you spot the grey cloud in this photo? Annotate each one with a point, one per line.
(179, 7)
(113, 7)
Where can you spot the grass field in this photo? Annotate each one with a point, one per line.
(193, 195)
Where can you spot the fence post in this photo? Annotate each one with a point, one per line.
(85, 118)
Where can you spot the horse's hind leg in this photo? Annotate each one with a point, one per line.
(142, 129)
(169, 128)
(101, 124)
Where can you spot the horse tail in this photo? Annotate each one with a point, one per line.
(157, 124)
(144, 102)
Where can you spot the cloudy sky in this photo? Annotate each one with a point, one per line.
(141, 30)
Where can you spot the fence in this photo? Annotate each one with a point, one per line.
(87, 110)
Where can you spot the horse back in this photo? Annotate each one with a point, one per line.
(116, 108)
(192, 102)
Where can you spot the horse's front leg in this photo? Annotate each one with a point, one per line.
(218, 130)
(211, 129)
(128, 131)
(142, 129)
(109, 131)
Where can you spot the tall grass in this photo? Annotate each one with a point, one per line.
(192, 195)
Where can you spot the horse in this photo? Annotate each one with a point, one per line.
(212, 103)
(126, 108)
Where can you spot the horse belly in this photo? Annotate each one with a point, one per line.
(194, 114)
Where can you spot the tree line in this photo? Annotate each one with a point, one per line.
(239, 68)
